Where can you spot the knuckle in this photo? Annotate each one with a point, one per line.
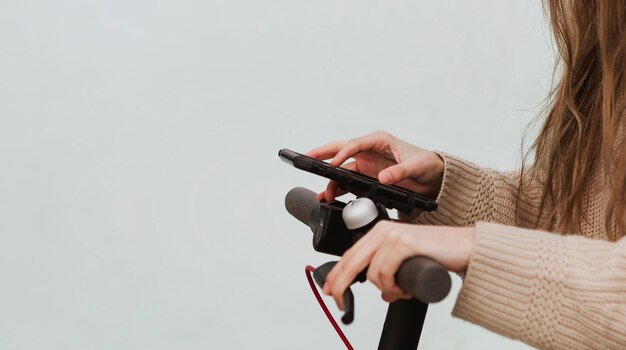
(371, 275)
(352, 142)
(400, 171)
(381, 226)
(337, 290)
(330, 278)
(387, 281)
(394, 234)
(351, 267)
(346, 256)
(382, 134)
(385, 274)
(405, 239)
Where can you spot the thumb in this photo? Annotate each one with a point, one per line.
(399, 172)
(393, 174)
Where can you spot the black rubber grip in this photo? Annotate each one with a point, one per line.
(424, 279)
(300, 202)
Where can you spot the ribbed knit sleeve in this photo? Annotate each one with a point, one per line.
(470, 193)
(547, 290)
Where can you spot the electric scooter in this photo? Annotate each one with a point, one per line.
(336, 227)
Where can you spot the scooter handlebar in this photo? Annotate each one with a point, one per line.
(424, 279)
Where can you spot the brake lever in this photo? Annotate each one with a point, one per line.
(319, 276)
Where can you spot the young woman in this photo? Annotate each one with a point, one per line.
(542, 248)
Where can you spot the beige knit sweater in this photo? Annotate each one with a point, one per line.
(548, 290)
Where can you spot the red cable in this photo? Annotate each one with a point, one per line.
(308, 270)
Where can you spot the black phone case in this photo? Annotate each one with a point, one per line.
(392, 197)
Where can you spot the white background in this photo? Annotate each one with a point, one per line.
(141, 196)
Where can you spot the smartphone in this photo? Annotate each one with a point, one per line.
(392, 197)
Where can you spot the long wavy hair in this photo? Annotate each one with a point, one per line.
(583, 111)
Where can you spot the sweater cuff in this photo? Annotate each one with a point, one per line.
(500, 287)
(460, 187)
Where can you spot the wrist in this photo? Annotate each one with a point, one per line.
(468, 245)
(439, 166)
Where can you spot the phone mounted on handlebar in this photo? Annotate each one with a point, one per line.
(390, 196)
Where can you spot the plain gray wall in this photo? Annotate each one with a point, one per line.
(141, 198)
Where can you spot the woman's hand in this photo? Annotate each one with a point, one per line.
(388, 244)
(383, 156)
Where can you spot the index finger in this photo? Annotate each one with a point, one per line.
(376, 141)
(349, 266)
(326, 151)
